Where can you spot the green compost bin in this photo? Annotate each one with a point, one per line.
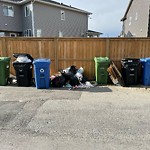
(101, 65)
(4, 70)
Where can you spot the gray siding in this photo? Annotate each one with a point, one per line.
(27, 21)
(48, 19)
(13, 24)
(137, 18)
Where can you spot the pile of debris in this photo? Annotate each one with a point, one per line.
(115, 75)
(70, 77)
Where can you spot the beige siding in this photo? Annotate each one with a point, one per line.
(137, 18)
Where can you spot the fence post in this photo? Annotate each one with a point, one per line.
(107, 47)
(56, 47)
(40, 48)
(4, 47)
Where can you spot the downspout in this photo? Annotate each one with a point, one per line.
(32, 18)
(148, 32)
(123, 28)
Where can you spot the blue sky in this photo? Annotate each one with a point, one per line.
(106, 14)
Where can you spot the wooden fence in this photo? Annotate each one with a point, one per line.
(64, 52)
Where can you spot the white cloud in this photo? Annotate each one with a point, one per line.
(106, 14)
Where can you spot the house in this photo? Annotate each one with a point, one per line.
(91, 33)
(136, 19)
(42, 18)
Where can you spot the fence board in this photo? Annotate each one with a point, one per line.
(1, 42)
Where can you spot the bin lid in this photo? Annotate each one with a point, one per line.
(3, 59)
(145, 59)
(23, 59)
(42, 60)
(101, 59)
(130, 60)
(23, 55)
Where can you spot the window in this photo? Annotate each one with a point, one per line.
(39, 32)
(60, 34)
(13, 34)
(27, 10)
(2, 34)
(130, 21)
(27, 33)
(62, 15)
(8, 11)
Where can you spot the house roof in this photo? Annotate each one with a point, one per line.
(92, 33)
(48, 2)
(125, 15)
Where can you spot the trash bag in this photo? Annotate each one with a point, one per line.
(80, 70)
(74, 81)
(58, 81)
(23, 57)
(73, 69)
(79, 76)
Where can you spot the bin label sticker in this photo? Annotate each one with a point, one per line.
(42, 70)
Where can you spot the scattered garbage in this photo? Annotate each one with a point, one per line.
(71, 77)
(85, 85)
(58, 81)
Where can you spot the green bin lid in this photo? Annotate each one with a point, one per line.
(102, 59)
(3, 59)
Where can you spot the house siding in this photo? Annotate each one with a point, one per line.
(137, 18)
(48, 19)
(12, 24)
(27, 21)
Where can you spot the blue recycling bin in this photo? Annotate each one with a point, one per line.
(42, 73)
(145, 62)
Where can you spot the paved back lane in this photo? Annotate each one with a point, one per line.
(104, 117)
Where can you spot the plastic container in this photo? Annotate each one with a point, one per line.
(145, 62)
(42, 73)
(101, 65)
(130, 71)
(23, 68)
(4, 70)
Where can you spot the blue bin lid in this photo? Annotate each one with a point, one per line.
(145, 59)
(42, 60)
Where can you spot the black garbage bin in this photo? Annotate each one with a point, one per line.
(130, 70)
(23, 68)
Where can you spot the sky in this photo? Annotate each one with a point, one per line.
(106, 14)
